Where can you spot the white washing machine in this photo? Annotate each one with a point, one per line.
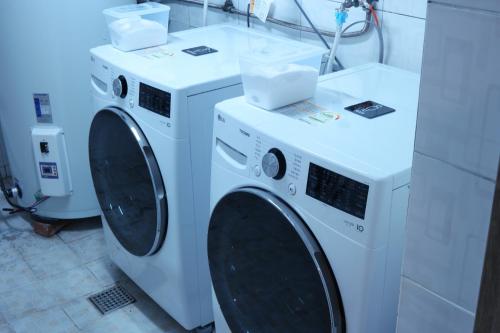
(150, 150)
(309, 207)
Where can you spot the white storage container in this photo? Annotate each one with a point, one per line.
(134, 33)
(150, 11)
(290, 75)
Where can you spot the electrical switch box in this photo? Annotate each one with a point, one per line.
(51, 159)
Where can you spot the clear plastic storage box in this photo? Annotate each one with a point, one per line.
(133, 27)
(149, 10)
(279, 74)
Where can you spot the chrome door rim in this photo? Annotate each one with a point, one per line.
(329, 283)
(155, 175)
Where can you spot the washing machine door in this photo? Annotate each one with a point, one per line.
(128, 182)
(269, 273)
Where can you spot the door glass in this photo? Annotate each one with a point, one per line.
(123, 183)
(264, 277)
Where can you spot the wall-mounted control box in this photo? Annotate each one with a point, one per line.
(51, 161)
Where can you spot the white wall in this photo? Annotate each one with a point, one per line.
(457, 150)
(403, 23)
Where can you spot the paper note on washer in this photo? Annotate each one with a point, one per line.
(309, 112)
(261, 9)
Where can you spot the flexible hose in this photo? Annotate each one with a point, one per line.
(316, 31)
(381, 53)
(18, 208)
(31, 209)
(286, 24)
(333, 50)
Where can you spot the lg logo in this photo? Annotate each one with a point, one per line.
(360, 228)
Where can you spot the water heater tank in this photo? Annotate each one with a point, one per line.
(45, 99)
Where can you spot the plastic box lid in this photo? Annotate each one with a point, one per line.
(270, 53)
(136, 10)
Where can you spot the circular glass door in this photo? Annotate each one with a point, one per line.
(127, 182)
(268, 271)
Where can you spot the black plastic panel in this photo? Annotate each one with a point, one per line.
(370, 109)
(154, 100)
(337, 191)
(200, 50)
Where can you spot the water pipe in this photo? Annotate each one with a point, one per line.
(340, 18)
(205, 12)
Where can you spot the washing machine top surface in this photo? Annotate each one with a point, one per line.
(202, 56)
(377, 148)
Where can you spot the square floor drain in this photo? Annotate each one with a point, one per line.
(111, 299)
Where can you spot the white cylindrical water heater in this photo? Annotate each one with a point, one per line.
(45, 99)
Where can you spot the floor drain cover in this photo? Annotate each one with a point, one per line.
(111, 299)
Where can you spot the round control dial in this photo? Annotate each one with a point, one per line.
(120, 87)
(274, 164)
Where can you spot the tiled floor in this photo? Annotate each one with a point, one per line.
(45, 282)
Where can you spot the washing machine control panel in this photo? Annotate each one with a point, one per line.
(337, 191)
(281, 166)
(154, 100)
(289, 172)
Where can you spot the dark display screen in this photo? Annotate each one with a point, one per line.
(337, 191)
(155, 100)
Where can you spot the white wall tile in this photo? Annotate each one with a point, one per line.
(285, 10)
(321, 13)
(448, 218)
(493, 5)
(415, 8)
(460, 103)
(178, 11)
(175, 26)
(214, 16)
(403, 34)
(273, 29)
(422, 311)
(403, 38)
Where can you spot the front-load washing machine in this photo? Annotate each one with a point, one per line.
(150, 150)
(309, 206)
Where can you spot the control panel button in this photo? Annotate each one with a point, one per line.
(257, 171)
(274, 164)
(292, 189)
(44, 147)
(120, 86)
